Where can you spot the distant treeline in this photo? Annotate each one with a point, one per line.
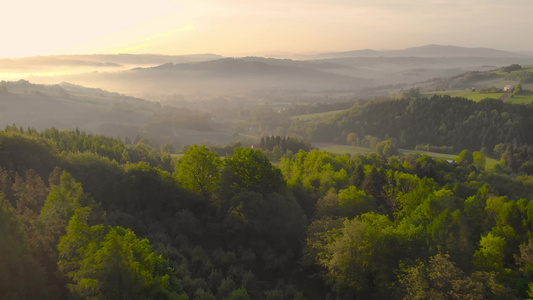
(521, 76)
(314, 108)
(284, 143)
(65, 141)
(437, 121)
(441, 149)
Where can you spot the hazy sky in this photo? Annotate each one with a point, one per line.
(247, 27)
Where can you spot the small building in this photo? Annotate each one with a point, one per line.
(507, 88)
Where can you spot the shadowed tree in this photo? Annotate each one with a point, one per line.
(30, 194)
(373, 186)
(61, 204)
(111, 263)
(439, 279)
(358, 176)
(21, 276)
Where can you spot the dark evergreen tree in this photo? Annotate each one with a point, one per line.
(358, 176)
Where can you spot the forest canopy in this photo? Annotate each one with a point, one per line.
(89, 216)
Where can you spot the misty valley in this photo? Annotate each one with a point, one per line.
(393, 174)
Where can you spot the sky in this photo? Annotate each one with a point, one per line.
(246, 27)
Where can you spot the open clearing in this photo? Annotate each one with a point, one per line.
(342, 149)
(317, 116)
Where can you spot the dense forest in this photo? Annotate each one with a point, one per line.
(438, 120)
(86, 216)
(452, 124)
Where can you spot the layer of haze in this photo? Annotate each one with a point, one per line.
(242, 27)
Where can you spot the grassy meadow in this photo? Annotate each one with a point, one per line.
(344, 149)
(317, 116)
(503, 79)
(525, 98)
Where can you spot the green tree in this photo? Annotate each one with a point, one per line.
(439, 279)
(30, 194)
(465, 158)
(373, 186)
(274, 215)
(239, 294)
(388, 147)
(479, 160)
(60, 206)
(511, 68)
(525, 259)
(353, 202)
(411, 93)
(21, 277)
(358, 176)
(318, 171)
(111, 263)
(249, 170)
(199, 170)
(351, 139)
(499, 149)
(361, 257)
(490, 255)
(518, 89)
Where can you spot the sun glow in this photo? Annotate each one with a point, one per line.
(233, 27)
(15, 76)
(143, 43)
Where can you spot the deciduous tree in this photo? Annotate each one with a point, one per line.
(199, 170)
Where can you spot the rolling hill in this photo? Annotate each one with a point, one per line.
(24, 67)
(208, 76)
(67, 106)
(226, 76)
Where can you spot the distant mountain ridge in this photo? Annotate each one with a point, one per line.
(250, 64)
(22, 67)
(425, 51)
(248, 73)
(104, 59)
(530, 53)
(210, 75)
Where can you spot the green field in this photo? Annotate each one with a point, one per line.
(474, 96)
(504, 78)
(525, 98)
(317, 116)
(491, 162)
(344, 149)
(529, 69)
